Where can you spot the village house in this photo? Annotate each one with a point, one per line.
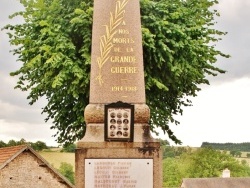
(22, 167)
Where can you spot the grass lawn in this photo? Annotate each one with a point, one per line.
(56, 158)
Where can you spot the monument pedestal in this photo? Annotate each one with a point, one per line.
(94, 150)
(143, 147)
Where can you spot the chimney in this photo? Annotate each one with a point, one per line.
(226, 173)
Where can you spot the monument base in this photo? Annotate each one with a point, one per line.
(115, 164)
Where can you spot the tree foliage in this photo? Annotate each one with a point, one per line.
(38, 145)
(2, 144)
(54, 45)
(66, 170)
(70, 148)
(177, 54)
(208, 162)
(172, 173)
(12, 142)
(245, 146)
(172, 152)
(201, 163)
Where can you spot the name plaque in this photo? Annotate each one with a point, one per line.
(118, 173)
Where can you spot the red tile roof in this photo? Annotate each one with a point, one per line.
(8, 153)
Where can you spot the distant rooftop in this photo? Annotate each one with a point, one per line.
(216, 183)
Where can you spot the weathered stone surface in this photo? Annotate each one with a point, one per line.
(117, 72)
(119, 153)
(94, 146)
(94, 113)
(26, 171)
(94, 137)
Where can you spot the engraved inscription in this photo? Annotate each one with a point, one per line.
(106, 40)
(123, 31)
(119, 59)
(124, 88)
(118, 49)
(122, 173)
(124, 70)
(117, 53)
(123, 40)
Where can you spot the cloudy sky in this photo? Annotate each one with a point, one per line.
(219, 114)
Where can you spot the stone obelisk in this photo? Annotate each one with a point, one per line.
(117, 75)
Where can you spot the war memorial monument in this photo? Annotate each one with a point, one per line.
(117, 150)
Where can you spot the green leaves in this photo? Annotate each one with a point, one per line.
(159, 84)
(54, 44)
(55, 52)
(201, 163)
(178, 54)
(66, 169)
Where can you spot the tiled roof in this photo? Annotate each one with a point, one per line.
(8, 153)
(216, 183)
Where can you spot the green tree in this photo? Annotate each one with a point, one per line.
(12, 143)
(163, 142)
(233, 153)
(180, 150)
(54, 44)
(168, 151)
(172, 174)
(238, 154)
(207, 162)
(2, 144)
(245, 146)
(201, 163)
(39, 145)
(69, 148)
(66, 170)
(21, 142)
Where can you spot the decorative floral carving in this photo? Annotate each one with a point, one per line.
(106, 39)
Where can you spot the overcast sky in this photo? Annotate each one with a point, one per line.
(220, 112)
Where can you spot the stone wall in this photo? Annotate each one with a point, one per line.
(28, 171)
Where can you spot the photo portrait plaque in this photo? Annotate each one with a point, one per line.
(119, 122)
(119, 173)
